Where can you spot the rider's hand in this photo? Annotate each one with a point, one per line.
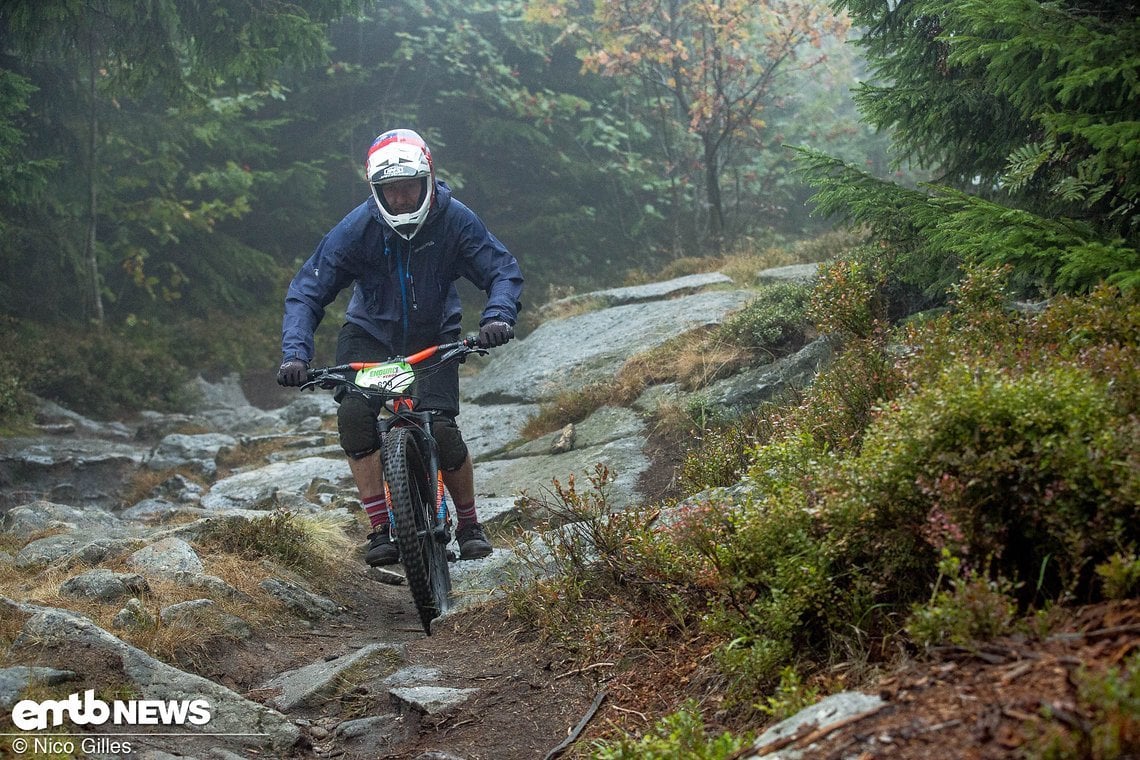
(293, 372)
(495, 333)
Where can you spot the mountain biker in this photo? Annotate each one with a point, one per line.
(403, 249)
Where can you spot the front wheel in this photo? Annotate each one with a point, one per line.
(411, 494)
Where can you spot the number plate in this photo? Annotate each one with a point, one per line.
(394, 377)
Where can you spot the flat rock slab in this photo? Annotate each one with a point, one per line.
(238, 491)
(654, 291)
(431, 700)
(302, 685)
(828, 711)
(546, 362)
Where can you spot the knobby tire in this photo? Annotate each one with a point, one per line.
(412, 495)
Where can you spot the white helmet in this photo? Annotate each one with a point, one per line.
(401, 154)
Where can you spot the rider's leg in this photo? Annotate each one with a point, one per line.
(356, 423)
(366, 471)
(459, 477)
(460, 482)
(461, 485)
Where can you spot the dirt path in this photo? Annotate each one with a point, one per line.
(521, 706)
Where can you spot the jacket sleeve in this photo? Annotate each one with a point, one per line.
(487, 263)
(313, 288)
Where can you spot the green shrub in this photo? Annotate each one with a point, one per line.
(848, 300)
(1108, 718)
(1026, 470)
(772, 321)
(791, 696)
(1120, 575)
(719, 453)
(846, 395)
(16, 410)
(596, 571)
(99, 373)
(973, 609)
(783, 595)
(680, 735)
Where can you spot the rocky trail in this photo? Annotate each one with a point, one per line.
(341, 668)
(113, 593)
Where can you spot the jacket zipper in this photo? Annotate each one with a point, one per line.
(404, 274)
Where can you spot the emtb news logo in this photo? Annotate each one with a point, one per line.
(30, 715)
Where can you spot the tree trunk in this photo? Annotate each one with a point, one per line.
(712, 194)
(89, 254)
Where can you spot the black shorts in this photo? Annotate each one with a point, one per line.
(436, 388)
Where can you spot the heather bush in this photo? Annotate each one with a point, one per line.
(971, 608)
(15, 404)
(982, 438)
(1024, 469)
(845, 396)
(720, 452)
(773, 321)
(849, 301)
(679, 735)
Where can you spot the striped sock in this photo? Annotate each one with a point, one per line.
(376, 507)
(466, 514)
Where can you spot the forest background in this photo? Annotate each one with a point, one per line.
(166, 167)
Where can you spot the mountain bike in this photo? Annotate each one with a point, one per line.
(413, 482)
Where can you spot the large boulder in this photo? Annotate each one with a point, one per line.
(568, 353)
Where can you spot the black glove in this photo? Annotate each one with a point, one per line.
(495, 333)
(293, 372)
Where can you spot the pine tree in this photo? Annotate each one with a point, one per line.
(1030, 113)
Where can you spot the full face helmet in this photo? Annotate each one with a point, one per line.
(400, 155)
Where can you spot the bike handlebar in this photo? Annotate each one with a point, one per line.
(332, 376)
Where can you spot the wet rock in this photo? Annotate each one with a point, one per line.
(238, 491)
(167, 558)
(45, 551)
(430, 700)
(133, 616)
(104, 585)
(654, 291)
(39, 516)
(759, 385)
(302, 602)
(300, 686)
(49, 629)
(826, 712)
(199, 452)
(15, 679)
(200, 613)
(565, 440)
(547, 361)
(801, 273)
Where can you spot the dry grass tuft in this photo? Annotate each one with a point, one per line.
(144, 482)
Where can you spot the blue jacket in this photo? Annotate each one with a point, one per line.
(404, 291)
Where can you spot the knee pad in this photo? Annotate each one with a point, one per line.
(356, 423)
(452, 449)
